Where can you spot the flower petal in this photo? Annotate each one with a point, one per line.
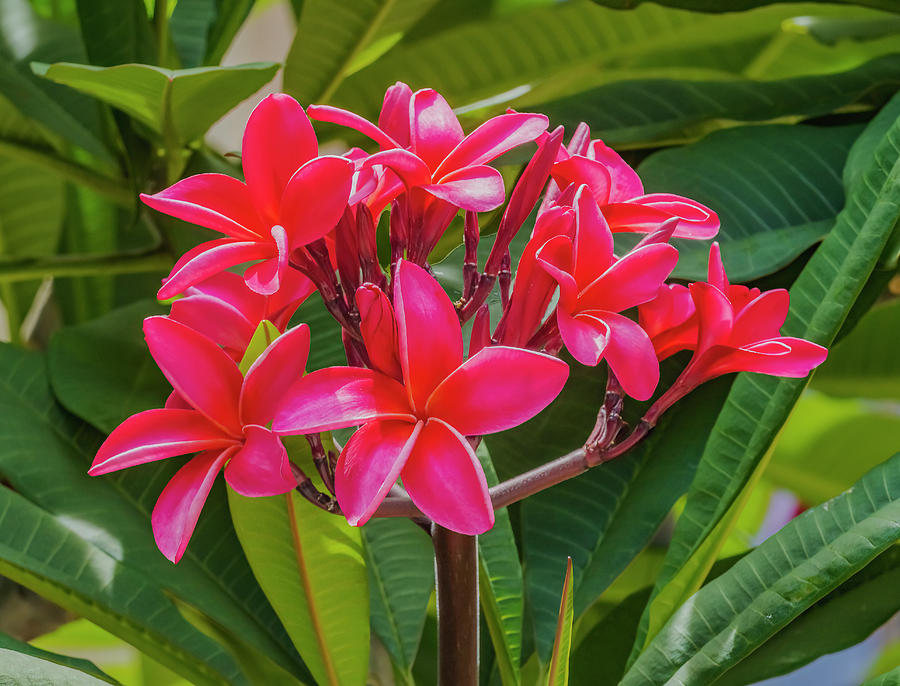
(792, 357)
(394, 117)
(696, 219)
(265, 277)
(445, 480)
(267, 381)
(630, 356)
(198, 369)
(211, 258)
(379, 330)
(216, 201)
(479, 189)
(370, 464)
(585, 337)
(493, 138)
(496, 389)
(178, 507)
(278, 140)
(593, 245)
(435, 129)
(315, 198)
(337, 397)
(155, 435)
(413, 172)
(632, 280)
(430, 336)
(217, 320)
(761, 318)
(261, 467)
(578, 170)
(335, 115)
(715, 271)
(556, 257)
(715, 316)
(626, 183)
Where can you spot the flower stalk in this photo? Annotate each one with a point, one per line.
(456, 566)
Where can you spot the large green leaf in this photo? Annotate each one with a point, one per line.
(183, 102)
(105, 389)
(865, 363)
(558, 671)
(500, 585)
(736, 5)
(758, 406)
(771, 586)
(127, 21)
(400, 563)
(311, 564)
(841, 619)
(25, 665)
(336, 38)
(636, 112)
(776, 189)
(891, 678)
(97, 555)
(202, 30)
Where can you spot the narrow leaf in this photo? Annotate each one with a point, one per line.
(558, 674)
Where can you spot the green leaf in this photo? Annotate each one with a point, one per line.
(500, 585)
(768, 588)
(757, 179)
(127, 21)
(202, 30)
(840, 620)
(637, 112)
(558, 673)
(810, 456)
(311, 566)
(400, 563)
(891, 678)
(265, 333)
(758, 405)
(187, 101)
(25, 665)
(736, 5)
(104, 389)
(865, 363)
(89, 546)
(336, 38)
(325, 348)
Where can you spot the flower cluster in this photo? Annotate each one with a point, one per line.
(420, 397)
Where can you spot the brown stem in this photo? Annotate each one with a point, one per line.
(308, 490)
(456, 560)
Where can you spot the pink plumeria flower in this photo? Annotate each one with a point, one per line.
(594, 287)
(414, 427)
(222, 414)
(422, 143)
(225, 310)
(619, 193)
(291, 198)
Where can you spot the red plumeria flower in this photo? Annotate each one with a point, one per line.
(594, 287)
(223, 415)
(423, 145)
(414, 427)
(618, 191)
(291, 198)
(225, 310)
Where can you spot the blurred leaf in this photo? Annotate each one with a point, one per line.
(31, 210)
(325, 348)
(737, 5)
(558, 672)
(891, 678)
(843, 618)
(758, 405)
(400, 563)
(632, 112)
(500, 585)
(127, 21)
(25, 665)
(311, 565)
(188, 101)
(104, 389)
(768, 588)
(865, 363)
(757, 179)
(202, 30)
(338, 37)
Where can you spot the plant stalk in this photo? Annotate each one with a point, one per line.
(456, 562)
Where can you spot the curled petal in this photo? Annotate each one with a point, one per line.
(716, 270)
(556, 257)
(479, 189)
(198, 369)
(435, 129)
(178, 508)
(585, 337)
(580, 170)
(430, 336)
(337, 397)
(411, 170)
(593, 246)
(278, 140)
(216, 201)
(792, 357)
(261, 467)
(493, 138)
(632, 280)
(696, 219)
(370, 464)
(496, 389)
(335, 115)
(267, 381)
(445, 480)
(379, 329)
(394, 117)
(210, 258)
(315, 198)
(155, 435)
(626, 183)
(715, 316)
(265, 277)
